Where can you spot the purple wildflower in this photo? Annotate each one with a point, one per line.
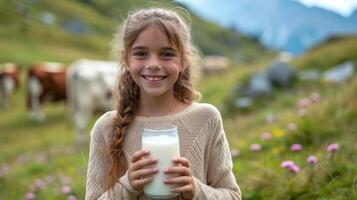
(71, 197)
(287, 163)
(290, 165)
(30, 196)
(66, 189)
(269, 119)
(235, 153)
(332, 147)
(303, 102)
(294, 168)
(266, 136)
(302, 112)
(315, 97)
(292, 126)
(312, 160)
(296, 147)
(255, 147)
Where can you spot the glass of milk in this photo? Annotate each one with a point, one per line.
(163, 145)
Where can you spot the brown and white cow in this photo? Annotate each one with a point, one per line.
(45, 82)
(9, 82)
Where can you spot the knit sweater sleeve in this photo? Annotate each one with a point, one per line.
(98, 164)
(221, 183)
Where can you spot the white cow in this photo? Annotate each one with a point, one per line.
(9, 82)
(90, 85)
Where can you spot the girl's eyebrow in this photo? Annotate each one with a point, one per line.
(144, 48)
(138, 48)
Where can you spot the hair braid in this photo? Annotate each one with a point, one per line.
(129, 96)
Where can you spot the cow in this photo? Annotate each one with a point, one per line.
(90, 85)
(45, 82)
(9, 82)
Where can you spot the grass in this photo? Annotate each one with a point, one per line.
(43, 157)
(46, 152)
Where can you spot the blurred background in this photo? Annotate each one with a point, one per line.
(282, 73)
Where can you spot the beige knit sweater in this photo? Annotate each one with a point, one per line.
(202, 142)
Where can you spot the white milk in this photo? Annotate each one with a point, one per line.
(164, 146)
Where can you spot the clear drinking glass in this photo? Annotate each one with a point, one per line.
(163, 145)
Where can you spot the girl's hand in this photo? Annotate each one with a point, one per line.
(141, 169)
(184, 180)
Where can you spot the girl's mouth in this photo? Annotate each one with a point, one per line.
(153, 78)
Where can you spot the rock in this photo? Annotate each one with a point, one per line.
(280, 74)
(259, 85)
(309, 75)
(339, 73)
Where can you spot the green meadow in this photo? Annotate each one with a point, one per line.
(42, 160)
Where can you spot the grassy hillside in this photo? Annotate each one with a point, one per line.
(42, 159)
(34, 30)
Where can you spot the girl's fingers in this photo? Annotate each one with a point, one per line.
(182, 170)
(182, 161)
(141, 182)
(142, 163)
(144, 172)
(137, 155)
(181, 180)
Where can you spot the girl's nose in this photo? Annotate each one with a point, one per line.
(153, 66)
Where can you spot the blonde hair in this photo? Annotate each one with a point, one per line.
(128, 93)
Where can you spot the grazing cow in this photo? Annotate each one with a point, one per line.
(90, 85)
(9, 82)
(45, 82)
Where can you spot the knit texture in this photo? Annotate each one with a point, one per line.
(202, 142)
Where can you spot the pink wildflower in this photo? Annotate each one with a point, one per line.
(302, 112)
(255, 147)
(296, 147)
(269, 119)
(266, 136)
(290, 165)
(312, 160)
(292, 126)
(333, 147)
(303, 102)
(66, 189)
(294, 168)
(30, 196)
(71, 197)
(287, 163)
(315, 97)
(40, 183)
(235, 153)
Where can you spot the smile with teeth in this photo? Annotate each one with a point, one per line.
(154, 78)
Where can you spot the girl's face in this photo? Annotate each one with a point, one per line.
(153, 63)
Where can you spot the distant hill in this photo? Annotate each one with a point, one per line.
(69, 29)
(329, 53)
(279, 24)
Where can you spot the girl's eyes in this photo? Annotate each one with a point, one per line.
(166, 55)
(140, 54)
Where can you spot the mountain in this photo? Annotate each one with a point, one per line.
(32, 30)
(279, 24)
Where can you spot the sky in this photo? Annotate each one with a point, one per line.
(342, 7)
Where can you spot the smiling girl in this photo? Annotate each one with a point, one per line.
(155, 87)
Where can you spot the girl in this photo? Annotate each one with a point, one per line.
(155, 87)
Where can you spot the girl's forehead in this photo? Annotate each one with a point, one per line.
(152, 37)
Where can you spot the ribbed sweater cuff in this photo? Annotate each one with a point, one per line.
(124, 181)
(198, 188)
